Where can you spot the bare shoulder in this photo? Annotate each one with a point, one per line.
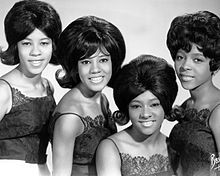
(12, 77)
(215, 110)
(215, 114)
(69, 122)
(69, 103)
(69, 125)
(110, 146)
(114, 140)
(5, 91)
(6, 98)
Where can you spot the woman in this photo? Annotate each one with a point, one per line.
(144, 93)
(91, 51)
(194, 44)
(32, 29)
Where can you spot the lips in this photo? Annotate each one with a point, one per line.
(36, 62)
(186, 77)
(148, 123)
(97, 79)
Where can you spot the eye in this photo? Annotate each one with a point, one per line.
(26, 43)
(45, 43)
(179, 57)
(155, 104)
(135, 106)
(197, 60)
(85, 62)
(102, 60)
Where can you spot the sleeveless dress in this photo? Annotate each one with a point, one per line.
(24, 130)
(156, 165)
(193, 140)
(95, 130)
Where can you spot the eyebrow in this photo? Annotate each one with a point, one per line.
(183, 51)
(102, 55)
(152, 99)
(45, 38)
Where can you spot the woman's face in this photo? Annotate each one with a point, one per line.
(146, 113)
(34, 53)
(192, 68)
(95, 71)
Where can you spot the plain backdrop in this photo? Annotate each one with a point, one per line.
(143, 23)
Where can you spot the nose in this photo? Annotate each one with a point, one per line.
(186, 65)
(35, 51)
(146, 113)
(95, 67)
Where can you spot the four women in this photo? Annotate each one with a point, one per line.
(91, 51)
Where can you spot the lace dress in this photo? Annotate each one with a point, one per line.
(156, 165)
(193, 140)
(95, 130)
(24, 130)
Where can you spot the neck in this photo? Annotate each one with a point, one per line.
(203, 91)
(29, 80)
(88, 94)
(152, 139)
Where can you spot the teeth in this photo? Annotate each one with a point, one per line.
(187, 78)
(148, 123)
(96, 79)
(36, 62)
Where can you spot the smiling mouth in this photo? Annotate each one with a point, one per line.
(96, 79)
(186, 77)
(36, 62)
(148, 123)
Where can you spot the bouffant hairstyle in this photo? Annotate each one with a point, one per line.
(22, 19)
(144, 73)
(201, 28)
(81, 39)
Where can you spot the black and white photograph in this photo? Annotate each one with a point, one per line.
(110, 88)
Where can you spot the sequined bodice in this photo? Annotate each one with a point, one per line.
(24, 130)
(192, 138)
(85, 145)
(156, 165)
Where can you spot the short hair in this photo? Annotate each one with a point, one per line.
(201, 28)
(22, 19)
(80, 39)
(144, 73)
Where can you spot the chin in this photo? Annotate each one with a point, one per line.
(187, 86)
(97, 88)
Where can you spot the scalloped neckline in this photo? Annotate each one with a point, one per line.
(28, 97)
(144, 158)
(197, 111)
(99, 116)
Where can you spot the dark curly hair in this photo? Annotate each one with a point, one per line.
(145, 72)
(81, 39)
(201, 28)
(22, 19)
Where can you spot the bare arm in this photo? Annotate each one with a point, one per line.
(66, 129)
(214, 123)
(108, 161)
(5, 100)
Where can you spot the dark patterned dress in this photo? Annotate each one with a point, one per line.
(86, 144)
(156, 165)
(24, 130)
(193, 140)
